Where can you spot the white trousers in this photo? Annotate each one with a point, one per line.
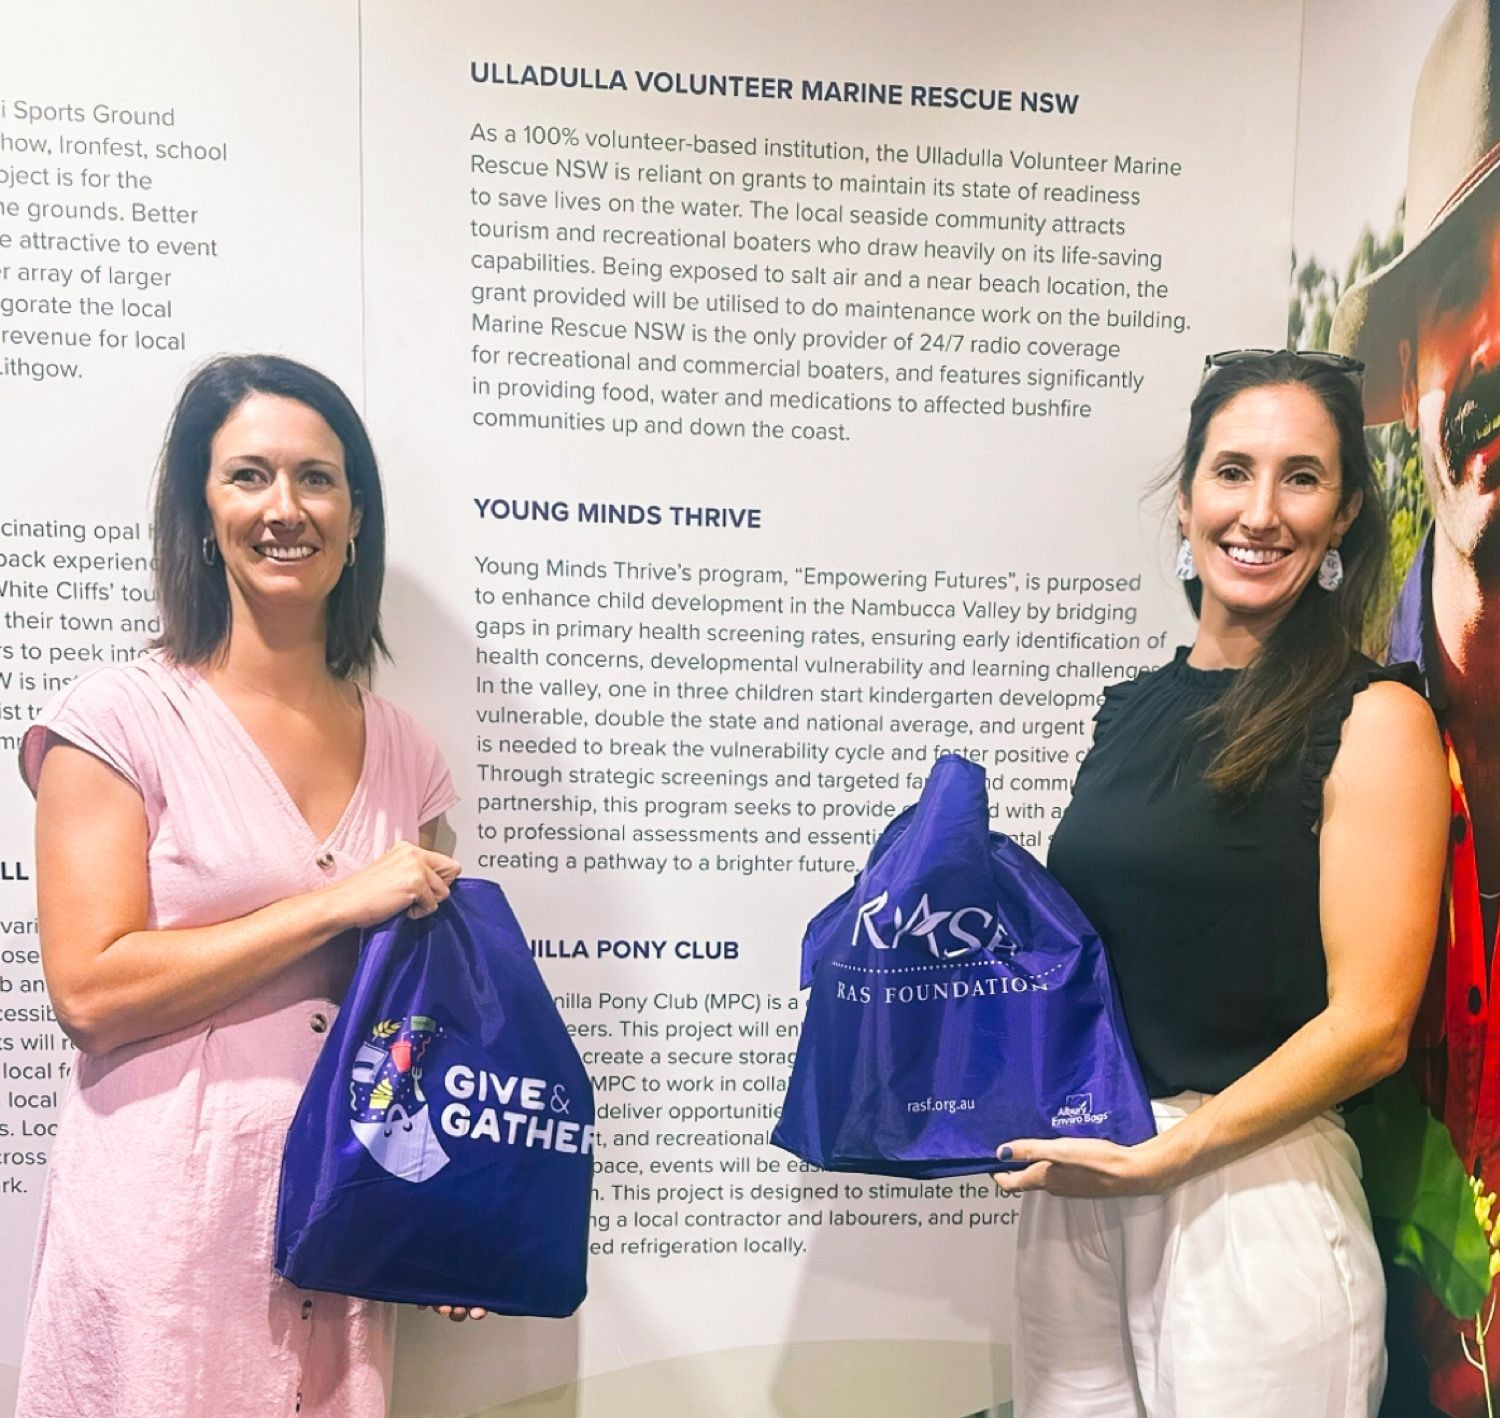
(1254, 1291)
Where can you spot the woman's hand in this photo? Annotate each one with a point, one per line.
(408, 878)
(1083, 1166)
(457, 1313)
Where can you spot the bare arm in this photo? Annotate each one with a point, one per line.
(114, 982)
(1381, 857)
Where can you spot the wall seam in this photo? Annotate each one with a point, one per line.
(364, 318)
(1291, 230)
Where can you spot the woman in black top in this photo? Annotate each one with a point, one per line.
(1257, 834)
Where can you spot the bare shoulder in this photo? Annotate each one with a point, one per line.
(1390, 743)
(1388, 713)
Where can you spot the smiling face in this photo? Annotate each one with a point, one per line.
(1262, 508)
(279, 503)
(1450, 398)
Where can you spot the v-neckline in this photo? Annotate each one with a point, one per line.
(273, 778)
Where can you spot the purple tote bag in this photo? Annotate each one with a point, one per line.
(958, 999)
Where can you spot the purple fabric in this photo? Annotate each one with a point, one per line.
(1409, 620)
(958, 999)
(443, 1150)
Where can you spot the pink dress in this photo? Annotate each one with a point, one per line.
(152, 1289)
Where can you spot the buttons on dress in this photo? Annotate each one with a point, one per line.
(1476, 1000)
(326, 860)
(306, 1309)
(318, 1023)
(1458, 828)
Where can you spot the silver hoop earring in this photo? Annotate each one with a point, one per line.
(1186, 568)
(210, 549)
(1331, 572)
(351, 552)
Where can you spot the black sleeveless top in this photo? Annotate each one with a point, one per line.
(1209, 912)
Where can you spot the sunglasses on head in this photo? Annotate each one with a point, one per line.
(1342, 364)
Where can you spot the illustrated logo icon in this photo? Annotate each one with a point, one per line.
(390, 1116)
(950, 935)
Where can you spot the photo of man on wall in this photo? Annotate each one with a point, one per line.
(1427, 326)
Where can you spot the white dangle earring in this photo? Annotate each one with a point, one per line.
(1331, 572)
(1186, 568)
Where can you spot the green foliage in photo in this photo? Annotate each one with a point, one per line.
(1314, 296)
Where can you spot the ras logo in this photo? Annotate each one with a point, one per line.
(950, 935)
(385, 1092)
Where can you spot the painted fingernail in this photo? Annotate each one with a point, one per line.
(1005, 1153)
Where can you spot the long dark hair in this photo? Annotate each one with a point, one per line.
(1265, 715)
(192, 593)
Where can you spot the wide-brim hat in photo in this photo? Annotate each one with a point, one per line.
(1451, 164)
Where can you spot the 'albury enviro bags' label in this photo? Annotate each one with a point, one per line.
(443, 1149)
(959, 999)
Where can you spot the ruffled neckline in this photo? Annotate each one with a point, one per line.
(1207, 682)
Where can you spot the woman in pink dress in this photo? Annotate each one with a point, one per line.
(215, 821)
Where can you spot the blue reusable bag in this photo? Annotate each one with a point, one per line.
(442, 1152)
(959, 999)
